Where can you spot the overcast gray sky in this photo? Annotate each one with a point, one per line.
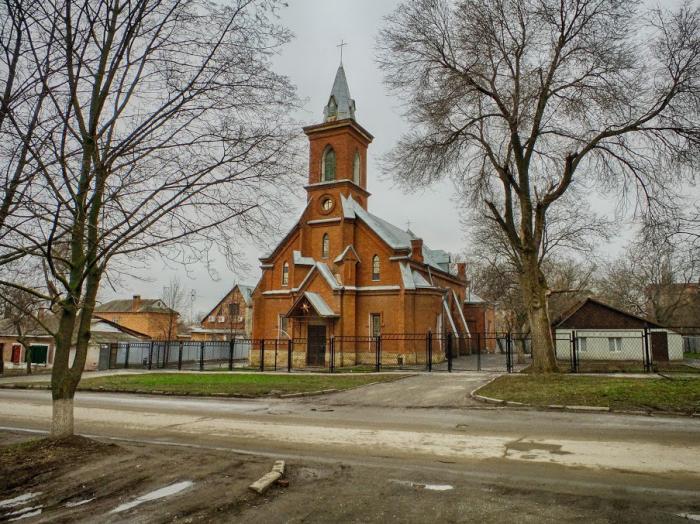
(311, 60)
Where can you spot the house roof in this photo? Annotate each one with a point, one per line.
(104, 331)
(393, 235)
(246, 293)
(147, 305)
(101, 330)
(577, 307)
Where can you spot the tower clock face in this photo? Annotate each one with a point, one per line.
(327, 204)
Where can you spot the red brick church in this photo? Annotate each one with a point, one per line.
(342, 270)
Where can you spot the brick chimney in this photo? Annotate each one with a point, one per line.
(462, 270)
(136, 303)
(417, 249)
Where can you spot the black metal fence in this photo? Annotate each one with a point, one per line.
(175, 354)
(496, 352)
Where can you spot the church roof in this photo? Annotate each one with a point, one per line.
(309, 298)
(340, 106)
(396, 237)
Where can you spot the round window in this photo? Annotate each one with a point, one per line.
(327, 204)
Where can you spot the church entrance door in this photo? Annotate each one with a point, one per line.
(316, 348)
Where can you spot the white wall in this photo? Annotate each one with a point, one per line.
(93, 356)
(597, 345)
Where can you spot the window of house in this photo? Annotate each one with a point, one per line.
(356, 168)
(234, 309)
(582, 344)
(285, 274)
(375, 324)
(283, 327)
(212, 318)
(375, 267)
(328, 165)
(39, 354)
(325, 246)
(615, 344)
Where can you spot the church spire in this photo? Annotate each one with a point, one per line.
(340, 106)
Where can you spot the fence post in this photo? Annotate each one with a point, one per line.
(232, 345)
(179, 356)
(331, 364)
(509, 353)
(647, 356)
(429, 349)
(378, 351)
(478, 351)
(429, 341)
(275, 366)
(201, 356)
(289, 355)
(262, 354)
(574, 352)
(150, 356)
(126, 358)
(449, 351)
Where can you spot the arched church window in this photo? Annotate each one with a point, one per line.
(375, 267)
(285, 274)
(325, 246)
(328, 165)
(356, 169)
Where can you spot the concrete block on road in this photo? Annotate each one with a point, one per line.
(261, 485)
(279, 467)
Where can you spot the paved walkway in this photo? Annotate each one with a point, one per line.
(426, 390)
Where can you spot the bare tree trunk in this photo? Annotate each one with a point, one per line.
(62, 419)
(534, 287)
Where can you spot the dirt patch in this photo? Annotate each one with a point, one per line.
(24, 460)
(79, 479)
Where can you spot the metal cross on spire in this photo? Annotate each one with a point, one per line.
(341, 45)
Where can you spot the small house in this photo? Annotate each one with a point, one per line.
(603, 332)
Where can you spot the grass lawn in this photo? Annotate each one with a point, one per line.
(678, 394)
(236, 384)
(692, 355)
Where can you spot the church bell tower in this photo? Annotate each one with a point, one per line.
(338, 148)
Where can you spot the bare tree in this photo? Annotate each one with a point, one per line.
(22, 96)
(174, 298)
(174, 138)
(525, 101)
(650, 278)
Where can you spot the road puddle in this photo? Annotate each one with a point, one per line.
(24, 513)
(423, 485)
(18, 501)
(167, 491)
(78, 503)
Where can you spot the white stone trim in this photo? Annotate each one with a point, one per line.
(323, 221)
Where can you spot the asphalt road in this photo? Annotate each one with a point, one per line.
(594, 450)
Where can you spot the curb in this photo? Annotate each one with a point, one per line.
(102, 389)
(575, 409)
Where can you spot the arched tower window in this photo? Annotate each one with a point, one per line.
(375, 267)
(285, 274)
(356, 168)
(325, 246)
(328, 165)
